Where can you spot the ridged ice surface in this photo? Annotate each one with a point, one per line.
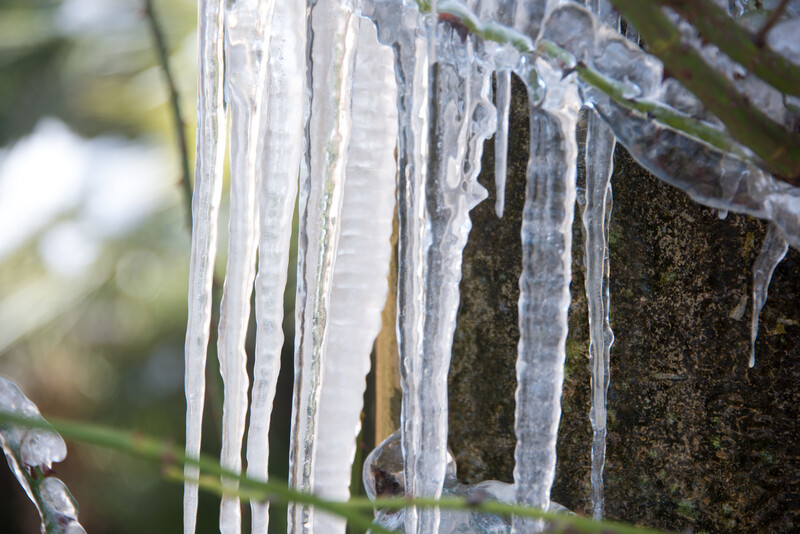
(280, 163)
(462, 119)
(362, 269)
(773, 250)
(29, 450)
(335, 33)
(247, 32)
(401, 27)
(544, 289)
(205, 213)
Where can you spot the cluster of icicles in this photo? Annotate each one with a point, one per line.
(373, 106)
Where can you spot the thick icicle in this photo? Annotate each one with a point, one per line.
(247, 32)
(278, 192)
(205, 213)
(361, 272)
(451, 191)
(600, 143)
(29, 451)
(544, 289)
(773, 250)
(401, 26)
(335, 30)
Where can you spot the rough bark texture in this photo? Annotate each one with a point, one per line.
(696, 439)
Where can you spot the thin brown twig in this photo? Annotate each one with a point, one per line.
(175, 104)
(761, 37)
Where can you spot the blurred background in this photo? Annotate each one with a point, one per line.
(94, 249)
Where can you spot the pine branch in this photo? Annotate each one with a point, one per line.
(716, 26)
(778, 148)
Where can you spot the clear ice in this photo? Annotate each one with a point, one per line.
(361, 272)
(30, 454)
(334, 26)
(332, 110)
(211, 121)
(773, 250)
(600, 143)
(276, 201)
(247, 27)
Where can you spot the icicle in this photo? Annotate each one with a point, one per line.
(501, 139)
(401, 26)
(280, 162)
(773, 250)
(544, 289)
(30, 450)
(362, 267)
(600, 142)
(450, 195)
(247, 27)
(506, 13)
(205, 213)
(335, 31)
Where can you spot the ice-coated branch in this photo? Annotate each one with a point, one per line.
(619, 92)
(771, 142)
(717, 27)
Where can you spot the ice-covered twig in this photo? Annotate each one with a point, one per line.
(778, 148)
(30, 453)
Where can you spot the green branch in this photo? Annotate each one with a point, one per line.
(778, 148)
(175, 104)
(717, 27)
(357, 511)
(670, 117)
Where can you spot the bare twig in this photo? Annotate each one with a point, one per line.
(761, 37)
(180, 133)
(714, 25)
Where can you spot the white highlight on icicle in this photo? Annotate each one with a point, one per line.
(773, 250)
(335, 33)
(210, 147)
(276, 201)
(600, 143)
(247, 33)
(544, 289)
(362, 269)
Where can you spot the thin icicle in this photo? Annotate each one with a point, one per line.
(247, 27)
(600, 143)
(278, 192)
(544, 289)
(773, 250)
(402, 27)
(362, 267)
(501, 139)
(599, 167)
(335, 30)
(205, 214)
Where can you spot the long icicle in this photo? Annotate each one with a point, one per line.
(773, 250)
(247, 32)
(362, 269)
(409, 40)
(600, 143)
(544, 289)
(335, 30)
(205, 213)
(278, 192)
